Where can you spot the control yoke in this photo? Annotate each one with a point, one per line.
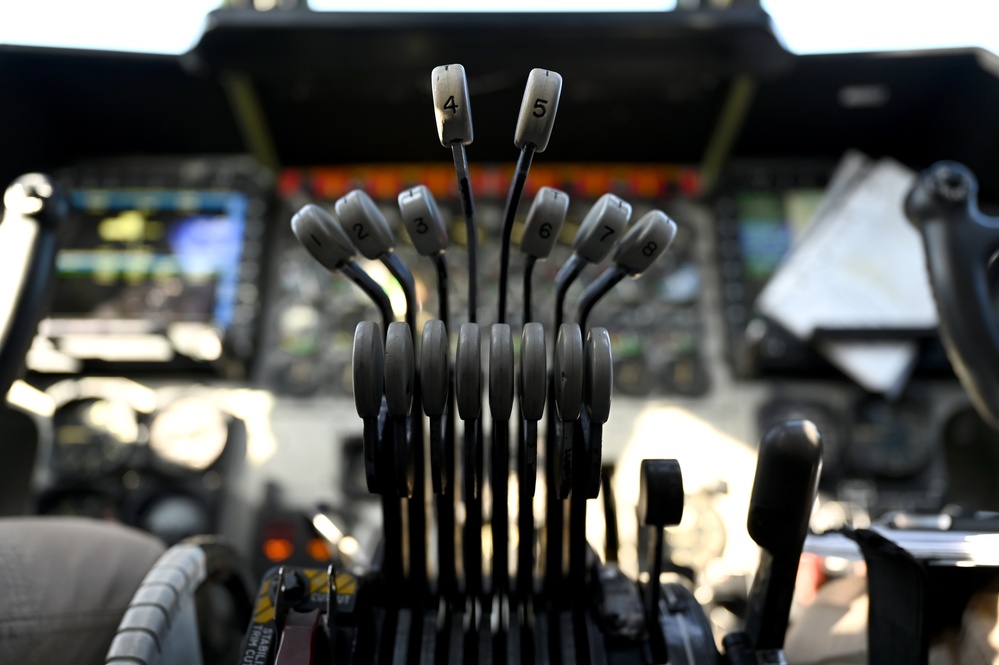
(961, 248)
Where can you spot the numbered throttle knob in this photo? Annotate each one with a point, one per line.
(601, 228)
(454, 115)
(321, 235)
(544, 222)
(434, 382)
(368, 370)
(400, 379)
(538, 109)
(645, 241)
(568, 378)
(365, 224)
(423, 221)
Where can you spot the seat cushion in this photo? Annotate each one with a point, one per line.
(65, 585)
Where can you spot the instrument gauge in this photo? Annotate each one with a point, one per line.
(301, 330)
(190, 433)
(889, 440)
(823, 417)
(700, 537)
(94, 436)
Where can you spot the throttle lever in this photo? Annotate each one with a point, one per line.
(399, 389)
(597, 387)
(568, 385)
(596, 237)
(368, 371)
(438, 403)
(454, 128)
(533, 386)
(435, 379)
(364, 223)
(660, 504)
(541, 230)
(534, 128)
(641, 246)
(533, 391)
(368, 229)
(468, 391)
(784, 490)
(428, 233)
(320, 234)
(599, 377)
(501, 375)
(960, 243)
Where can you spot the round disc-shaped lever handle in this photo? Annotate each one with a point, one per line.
(468, 372)
(365, 224)
(544, 222)
(423, 221)
(368, 367)
(399, 370)
(501, 372)
(321, 235)
(454, 114)
(601, 228)
(537, 109)
(599, 378)
(435, 380)
(568, 369)
(533, 371)
(434, 372)
(660, 493)
(645, 241)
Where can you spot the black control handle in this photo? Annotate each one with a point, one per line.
(961, 243)
(33, 210)
(784, 489)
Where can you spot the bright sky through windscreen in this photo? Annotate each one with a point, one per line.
(808, 26)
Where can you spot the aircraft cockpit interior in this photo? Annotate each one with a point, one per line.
(306, 362)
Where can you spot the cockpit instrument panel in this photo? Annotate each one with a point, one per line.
(159, 269)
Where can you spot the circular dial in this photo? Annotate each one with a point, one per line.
(301, 330)
(700, 536)
(175, 517)
(311, 326)
(80, 503)
(94, 436)
(889, 440)
(190, 433)
(822, 417)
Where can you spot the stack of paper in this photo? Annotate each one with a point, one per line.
(861, 265)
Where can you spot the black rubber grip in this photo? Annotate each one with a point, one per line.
(960, 244)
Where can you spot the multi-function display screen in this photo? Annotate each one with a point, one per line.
(152, 258)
